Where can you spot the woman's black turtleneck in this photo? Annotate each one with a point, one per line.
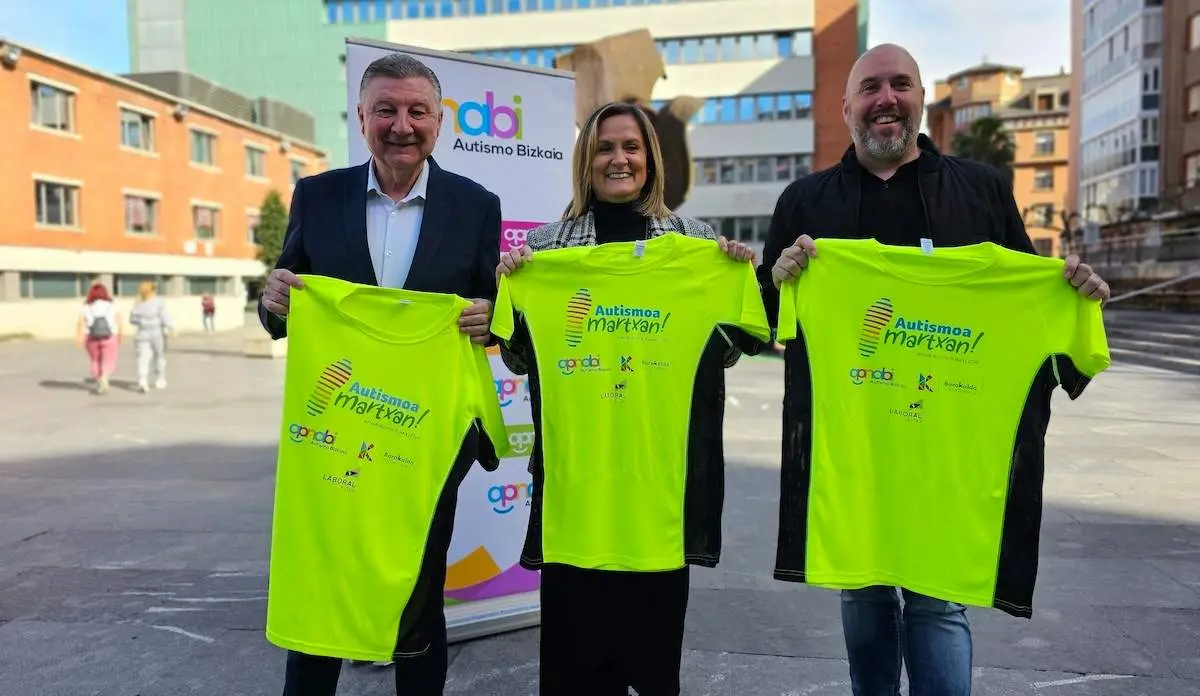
(619, 222)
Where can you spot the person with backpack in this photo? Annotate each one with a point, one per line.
(99, 331)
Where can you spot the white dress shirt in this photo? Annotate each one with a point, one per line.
(393, 228)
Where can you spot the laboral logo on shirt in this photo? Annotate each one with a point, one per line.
(585, 316)
(336, 388)
(883, 323)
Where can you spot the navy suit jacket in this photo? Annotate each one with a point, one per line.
(457, 251)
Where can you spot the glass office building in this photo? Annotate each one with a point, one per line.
(751, 61)
(1121, 86)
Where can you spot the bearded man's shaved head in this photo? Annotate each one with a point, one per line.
(883, 106)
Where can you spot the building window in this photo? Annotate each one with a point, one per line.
(252, 218)
(202, 285)
(747, 108)
(1191, 170)
(141, 215)
(751, 170)
(680, 51)
(44, 285)
(51, 107)
(137, 130)
(742, 229)
(1194, 32)
(298, 168)
(126, 285)
(204, 148)
(1150, 80)
(57, 204)
(1193, 101)
(256, 162)
(1045, 102)
(1040, 215)
(1150, 130)
(204, 222)
(1043, 179)
(352, 11)
(1044, 143)
(1043, 246)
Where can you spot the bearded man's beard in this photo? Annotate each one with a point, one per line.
(890, 150)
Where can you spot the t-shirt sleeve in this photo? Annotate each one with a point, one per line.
(502, 311)
(1085, 342)
(753, 315)
(487, 411)
(786, 323)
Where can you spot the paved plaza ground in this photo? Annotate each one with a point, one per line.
(134, 534)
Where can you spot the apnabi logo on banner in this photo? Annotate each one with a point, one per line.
(483, 118)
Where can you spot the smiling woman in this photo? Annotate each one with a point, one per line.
(618, 197)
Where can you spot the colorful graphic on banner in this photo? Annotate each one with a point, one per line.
(512, 130)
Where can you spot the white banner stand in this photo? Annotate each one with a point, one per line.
(512, 129)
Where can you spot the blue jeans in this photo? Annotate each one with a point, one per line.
(931, 635)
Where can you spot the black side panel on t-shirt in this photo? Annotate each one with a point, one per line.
(704, 492)
(424, 611)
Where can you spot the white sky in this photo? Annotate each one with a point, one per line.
(946, 36)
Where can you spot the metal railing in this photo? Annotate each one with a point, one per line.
(1157, 288)
(1176, 246)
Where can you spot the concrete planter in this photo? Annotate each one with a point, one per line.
(264, 347)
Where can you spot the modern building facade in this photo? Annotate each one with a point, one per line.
(771, 72)
(1034, 111)
(1118, 59)
(1180, 114)
(106, 179)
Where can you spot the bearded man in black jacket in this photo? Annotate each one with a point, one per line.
(894, 186)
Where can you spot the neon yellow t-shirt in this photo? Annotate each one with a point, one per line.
(921, 366)
(381, 390)
(617, 338)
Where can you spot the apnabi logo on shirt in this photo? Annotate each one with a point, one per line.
(882, 323)
(588, 363)
(318, 437)
(864, 375)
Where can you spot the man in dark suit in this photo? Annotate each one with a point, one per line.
(399, 220)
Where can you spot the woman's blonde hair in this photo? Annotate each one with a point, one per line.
(652, 200)
(147, 289)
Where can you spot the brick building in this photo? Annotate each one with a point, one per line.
(1180, 114)
(104, 178)
(1034, 111)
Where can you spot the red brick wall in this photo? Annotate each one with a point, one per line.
(835, 48)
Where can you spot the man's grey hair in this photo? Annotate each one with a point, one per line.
(399, 66)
